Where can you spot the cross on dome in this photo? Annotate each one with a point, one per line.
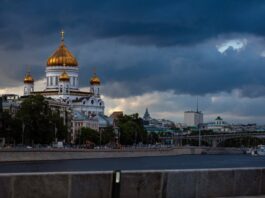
(62, 35)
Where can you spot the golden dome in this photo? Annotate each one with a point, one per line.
(95, 80)
(62, 56)
(28, 78)
(64, 77)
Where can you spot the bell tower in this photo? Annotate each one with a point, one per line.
(28, 84)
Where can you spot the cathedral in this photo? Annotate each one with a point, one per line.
(62, 83)
(62, 86)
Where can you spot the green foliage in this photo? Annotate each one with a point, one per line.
(152, 138)
(88, 134)
(131, 130)
(103, 137)
(11, 128)
(40, 123)
(107, 135)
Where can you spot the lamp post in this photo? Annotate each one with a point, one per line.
(199, 128)
(22, 135)
(55, 133)
(100, 134)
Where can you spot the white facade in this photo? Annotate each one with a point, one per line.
(28, 88)
(63, 62)
(62, 86)
(53, 73)
(193, 118)
(95, 90)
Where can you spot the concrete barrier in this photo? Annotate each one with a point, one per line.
(60, 154)
(136, 184)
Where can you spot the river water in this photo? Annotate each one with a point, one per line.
(136, 163)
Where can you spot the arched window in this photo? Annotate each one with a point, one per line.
(67, 88)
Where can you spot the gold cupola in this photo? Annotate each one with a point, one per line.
(28, 78)
(95, 80)
(64, 77)
(62, 56)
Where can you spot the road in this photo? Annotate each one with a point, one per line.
(136, 163)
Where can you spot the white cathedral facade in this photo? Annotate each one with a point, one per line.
(62, 85)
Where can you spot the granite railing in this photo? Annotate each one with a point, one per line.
(135, 184)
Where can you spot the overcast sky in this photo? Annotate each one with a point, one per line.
(148, 53)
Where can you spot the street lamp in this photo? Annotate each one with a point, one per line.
(199, 128)
(22, 135)
(55, 133)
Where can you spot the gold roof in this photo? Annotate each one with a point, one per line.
(64, 76)
(62, 56)
(28, 78)
(95, 80)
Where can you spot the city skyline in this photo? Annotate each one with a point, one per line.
(154, 55)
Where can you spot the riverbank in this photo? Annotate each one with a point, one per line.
(8, 155)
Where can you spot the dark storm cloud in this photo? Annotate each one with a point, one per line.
(172, 42)
(154, 22)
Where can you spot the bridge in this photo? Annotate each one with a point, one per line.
(214, 139)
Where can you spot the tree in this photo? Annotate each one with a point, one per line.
(153, 138)
(131, 129)
(88, 134)
(107, 135)
(11, 128)
(39, 122)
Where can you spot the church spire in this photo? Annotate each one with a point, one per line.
(147, 115)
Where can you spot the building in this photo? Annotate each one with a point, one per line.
(193, 118)
(62, 83)
(116, 114)
(221, 126)
(79, 108)
(157, 125)
(10, 103)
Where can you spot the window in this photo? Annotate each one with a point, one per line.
(56, 80)
(92, 101)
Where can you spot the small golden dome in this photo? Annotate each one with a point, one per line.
(28, 78)
(95, 80)
(64, 77)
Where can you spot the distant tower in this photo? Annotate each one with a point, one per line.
(64, 84)
(28, 84)
(95, 85)
(147, 115)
